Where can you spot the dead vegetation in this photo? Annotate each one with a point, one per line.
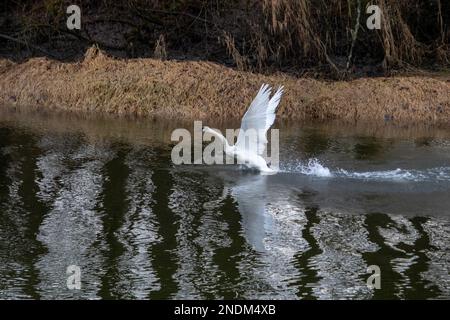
(201, 90)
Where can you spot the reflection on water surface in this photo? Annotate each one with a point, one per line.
(103, 194)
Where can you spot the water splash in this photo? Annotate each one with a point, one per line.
(432, 174)
(312, 168)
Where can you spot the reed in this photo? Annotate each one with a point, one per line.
(299, 36)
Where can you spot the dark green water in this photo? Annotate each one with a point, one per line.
(104, 195)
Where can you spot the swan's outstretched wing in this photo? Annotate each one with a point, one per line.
(259, 117)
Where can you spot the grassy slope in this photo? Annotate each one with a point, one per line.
(201, 90)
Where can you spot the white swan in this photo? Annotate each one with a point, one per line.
(258, 119)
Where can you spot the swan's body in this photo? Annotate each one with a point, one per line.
(259, 117)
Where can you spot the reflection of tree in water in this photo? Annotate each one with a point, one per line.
(383, 257)
(137, 232)
(308, 275)
(196, 239)
(22, 211)
(422, 289)
(115, 206)
(401, 263)
(163, 253)
(229, 257)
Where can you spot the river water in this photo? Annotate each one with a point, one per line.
(103, 195)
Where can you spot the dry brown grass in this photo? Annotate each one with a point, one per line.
(205, 90)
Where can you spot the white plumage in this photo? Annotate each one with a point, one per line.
(252, 137)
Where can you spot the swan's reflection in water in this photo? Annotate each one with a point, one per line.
(271, 227)
(251, 195)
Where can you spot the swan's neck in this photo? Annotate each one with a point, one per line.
(229, 150)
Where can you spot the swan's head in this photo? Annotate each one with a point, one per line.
(207, 129)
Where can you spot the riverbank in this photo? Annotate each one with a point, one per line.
(205, 90)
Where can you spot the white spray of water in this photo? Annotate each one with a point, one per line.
(312, 168)
(433, 174)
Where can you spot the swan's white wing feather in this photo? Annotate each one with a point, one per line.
(259, 117)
